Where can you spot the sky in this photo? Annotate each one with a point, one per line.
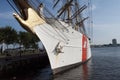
(106, 20)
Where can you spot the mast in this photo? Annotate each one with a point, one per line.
(68, 11)
(71, 11)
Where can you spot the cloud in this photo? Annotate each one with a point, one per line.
(104, 33)
(93, 7)
(6, 15)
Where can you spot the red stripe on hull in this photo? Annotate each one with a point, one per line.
(84, 48)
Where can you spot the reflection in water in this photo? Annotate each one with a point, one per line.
(81, 72)
(104, 65)
(85, 71)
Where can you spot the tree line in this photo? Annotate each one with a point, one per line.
(9, 35)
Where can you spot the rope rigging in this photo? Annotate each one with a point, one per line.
(12, 5)
(76, 18)
(60, 33)
(61, 25)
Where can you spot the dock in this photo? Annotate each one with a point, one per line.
(13, 63)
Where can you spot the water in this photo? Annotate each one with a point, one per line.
(104, 65)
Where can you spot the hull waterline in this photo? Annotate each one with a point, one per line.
(73, 49)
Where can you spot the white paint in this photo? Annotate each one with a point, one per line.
(71, 43)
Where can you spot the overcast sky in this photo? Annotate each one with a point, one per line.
(106, 20)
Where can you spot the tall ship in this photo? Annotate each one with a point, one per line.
(63, 26)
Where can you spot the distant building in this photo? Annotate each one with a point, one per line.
(114, 42)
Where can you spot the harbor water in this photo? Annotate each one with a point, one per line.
(104, 65)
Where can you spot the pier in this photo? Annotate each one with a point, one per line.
(12, 63)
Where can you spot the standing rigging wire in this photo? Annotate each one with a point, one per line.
(80, 17)
(57, 33)
(54, 36)
(90, 22)
(88, 13)
(31, 3)
(57, 21)
(91, 25)
(11, 4)
(55, 18)
(62, 35)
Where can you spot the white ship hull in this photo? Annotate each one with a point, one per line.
(64, 47)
